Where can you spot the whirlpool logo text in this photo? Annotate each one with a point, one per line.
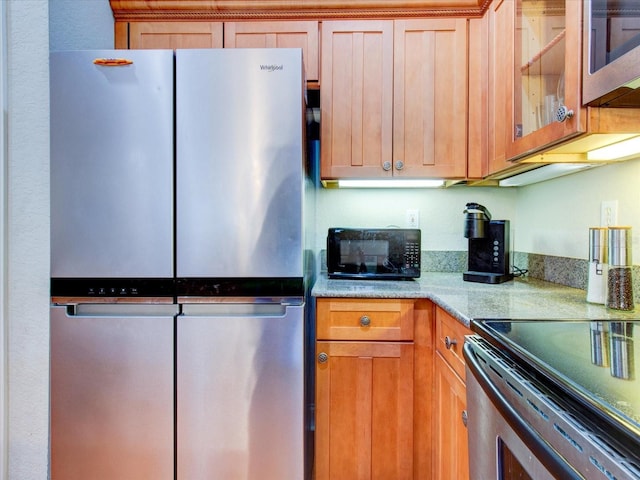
(271, 68)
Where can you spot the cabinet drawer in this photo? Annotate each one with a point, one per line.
(450, 335)
(364, 319)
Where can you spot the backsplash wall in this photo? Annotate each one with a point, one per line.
(549, 220)
(441, 211)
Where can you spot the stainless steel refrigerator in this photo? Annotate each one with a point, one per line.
(178, 273)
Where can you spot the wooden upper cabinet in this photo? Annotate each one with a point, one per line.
(200, 34)
(545, 64)
(357, 98)
(277, 35)
(430, 98)
(478, 95)
(150, 35)
(394, 98)
(499, 17)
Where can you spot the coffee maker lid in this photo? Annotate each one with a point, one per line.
(476, 208)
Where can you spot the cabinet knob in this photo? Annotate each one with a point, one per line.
(399, 165)
(563, 113)
(386, 166)
(449, 342)
(365, 321)
(465, 417)
(323, 357)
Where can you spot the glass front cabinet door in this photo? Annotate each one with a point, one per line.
(547, 69)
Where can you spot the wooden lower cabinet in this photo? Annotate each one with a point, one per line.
(364, 411)
(452, 457)
(364, 390)
(390, 391)
(451, 460)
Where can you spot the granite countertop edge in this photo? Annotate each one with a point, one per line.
(522, 298)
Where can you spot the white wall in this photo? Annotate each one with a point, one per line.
(554, 217)
(27, 239)
(80, 24)
(550, 218)
(441, 217)
(77, 24)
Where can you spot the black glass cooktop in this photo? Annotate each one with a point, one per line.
(596, 362)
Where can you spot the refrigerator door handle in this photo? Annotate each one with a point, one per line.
(112, 62)
(91, 310)
(237, 309)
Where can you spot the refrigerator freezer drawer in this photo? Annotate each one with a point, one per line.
(112, 396)
(240, 393)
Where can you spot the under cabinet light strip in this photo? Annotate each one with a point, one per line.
(623, 149)
(546, 172)
(391, 183)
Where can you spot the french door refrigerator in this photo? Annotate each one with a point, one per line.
(177, 265)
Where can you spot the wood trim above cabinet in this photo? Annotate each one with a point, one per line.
(127, 10)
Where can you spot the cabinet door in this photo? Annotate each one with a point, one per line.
(364, 411)
(500, 16)
(452, 451)
(478, 93)
(430, 98)
(546, 68)
(357, 98)
(149, 35)
(277, 35)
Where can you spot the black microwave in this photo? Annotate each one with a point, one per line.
(366, 253)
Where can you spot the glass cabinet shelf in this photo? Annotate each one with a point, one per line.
(551, 56)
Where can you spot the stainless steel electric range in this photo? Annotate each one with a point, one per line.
(554, 399)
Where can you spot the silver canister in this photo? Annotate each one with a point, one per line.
(599, 333)
(598, 255)
(621, 350)
(619, 283)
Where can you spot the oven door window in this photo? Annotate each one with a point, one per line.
(509, 468)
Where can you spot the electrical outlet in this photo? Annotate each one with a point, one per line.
(413, 218)
(609, 213)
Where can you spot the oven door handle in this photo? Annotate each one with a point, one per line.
(555, 464)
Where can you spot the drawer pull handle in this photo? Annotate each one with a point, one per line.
(465, 417)
(365, 321)
(323, 357)
(449, 342)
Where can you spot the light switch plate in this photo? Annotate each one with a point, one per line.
(413, 218)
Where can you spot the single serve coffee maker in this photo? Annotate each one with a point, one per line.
(488, 246)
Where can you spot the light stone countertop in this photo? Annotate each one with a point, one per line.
(521, 298)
